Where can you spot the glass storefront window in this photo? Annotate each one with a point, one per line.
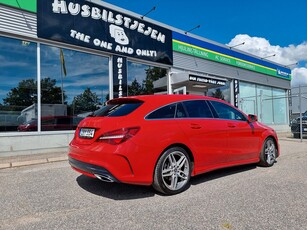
(269, 104)
(247, 102)
(18, 88)
(222, 92)
(141, 78)
(73, 84)
(280, 106)
(265, 101)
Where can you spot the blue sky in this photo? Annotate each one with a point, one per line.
(266, 26)
(281, 22)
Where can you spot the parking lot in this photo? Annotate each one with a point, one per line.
(52, 196)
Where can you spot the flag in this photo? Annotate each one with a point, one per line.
(62, 61)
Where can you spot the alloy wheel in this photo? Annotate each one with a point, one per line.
(175, 170)
(270, 152)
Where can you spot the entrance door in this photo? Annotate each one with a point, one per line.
(181, 90)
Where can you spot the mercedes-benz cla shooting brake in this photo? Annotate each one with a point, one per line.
(163, 140)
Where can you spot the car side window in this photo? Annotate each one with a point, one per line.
(227, 112)
(180, 111)
(198, 109)
(165, 112)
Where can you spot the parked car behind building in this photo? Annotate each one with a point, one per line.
(295, 125)
(52, 123)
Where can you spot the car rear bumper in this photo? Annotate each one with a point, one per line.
(121, 163)
(295, 128)
(94, 170)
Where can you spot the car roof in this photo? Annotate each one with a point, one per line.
(159, 98)
(151, 102)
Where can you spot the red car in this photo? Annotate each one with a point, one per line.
(163, 140)
(51, 123)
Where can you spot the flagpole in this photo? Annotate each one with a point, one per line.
(62, 70)
(62, 83)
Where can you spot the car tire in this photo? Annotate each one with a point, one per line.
(268, 153)
(296, 135)
(173, 171)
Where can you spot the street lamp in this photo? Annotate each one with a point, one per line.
(273, 55)
(296, 63)
(230, 47)
(152, 9)
(196, 27)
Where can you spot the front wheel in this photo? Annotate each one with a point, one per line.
(173, 171)
(268, 154)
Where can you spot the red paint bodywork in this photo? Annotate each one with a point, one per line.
(211, 142)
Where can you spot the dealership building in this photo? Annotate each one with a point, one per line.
(62, 59)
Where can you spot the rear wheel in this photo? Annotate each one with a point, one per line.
(173, 171)
(268, 154)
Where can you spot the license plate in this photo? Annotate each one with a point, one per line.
(86, 133)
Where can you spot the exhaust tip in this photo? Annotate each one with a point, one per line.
(105, 178)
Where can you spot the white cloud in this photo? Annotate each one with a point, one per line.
(299, 76)
(291, 54)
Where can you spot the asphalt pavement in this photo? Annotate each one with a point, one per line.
(53, 196)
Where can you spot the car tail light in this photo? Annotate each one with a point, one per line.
(119, 136)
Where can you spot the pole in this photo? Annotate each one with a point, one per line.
(300, 105)
(261, 104)
(62, 84)
(169, 82)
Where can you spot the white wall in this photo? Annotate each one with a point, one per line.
(34, 144)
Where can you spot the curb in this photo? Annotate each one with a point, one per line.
(32, 162)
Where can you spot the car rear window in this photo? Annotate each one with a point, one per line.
(117, 110)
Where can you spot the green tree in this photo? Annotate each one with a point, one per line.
(135, 88)
(85, 102)
(51, 94)
(152, 74)
(25, 94)
(218, 94)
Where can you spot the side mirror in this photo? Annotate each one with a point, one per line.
(252, 118)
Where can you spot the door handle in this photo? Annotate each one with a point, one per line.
(231, 125)
(195, 126)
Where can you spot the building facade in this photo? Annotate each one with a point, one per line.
(61, 60)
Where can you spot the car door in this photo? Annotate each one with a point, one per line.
(243, 138)
(205, 134)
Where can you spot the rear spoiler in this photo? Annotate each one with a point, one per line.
(123, 100)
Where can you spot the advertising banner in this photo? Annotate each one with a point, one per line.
(205, 50)
(83, 23)
(29, 5)
(120, 82)
(207, 80)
